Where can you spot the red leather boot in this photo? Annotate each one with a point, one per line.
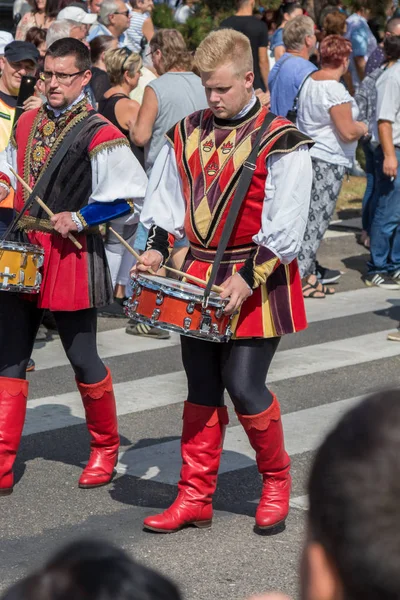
(266, 437)
(101, 419)
(201, 448)
(13, 395)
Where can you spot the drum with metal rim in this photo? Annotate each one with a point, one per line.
(178, 306)
(19, 267)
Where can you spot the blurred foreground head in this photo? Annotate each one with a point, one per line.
(353, 546)
(93, 570)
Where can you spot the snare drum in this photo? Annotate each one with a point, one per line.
(178, 306)
(19, 267)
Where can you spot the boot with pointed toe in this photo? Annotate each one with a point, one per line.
(101, 419)
(201, 448)
(265, 434)
(13, 396)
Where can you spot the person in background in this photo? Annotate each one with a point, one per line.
(100, 81)
(174, 95)
(384, 264)
(257, 32)
(366, 98)
(94, 6)
(334, 24)
(362, 40)
(141, 24)
(286, 13)
(184, 11)
(42, 15)
(377, 57)
(93, 570)
(327, 114)
(291, 69)
(37, 37)
(82, 21)
(123, 68)
(5, 38)
(20, 58)
(114, 19)
(62, 29)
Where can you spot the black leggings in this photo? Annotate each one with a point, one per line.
(19, 322)
(240, 367)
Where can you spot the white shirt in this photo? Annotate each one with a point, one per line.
(314, 119)
(388, 102)
(286, 200)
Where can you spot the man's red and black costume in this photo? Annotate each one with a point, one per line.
(98, 180)
(190, 192)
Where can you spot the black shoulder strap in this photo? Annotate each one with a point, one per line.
(44, 181)
(296, 99)
(241, 191)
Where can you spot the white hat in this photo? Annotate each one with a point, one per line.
(5, 38)
(74, 13)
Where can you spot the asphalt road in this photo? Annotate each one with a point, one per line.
(317, 375)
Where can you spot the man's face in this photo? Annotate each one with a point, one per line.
(120, 19)
(79, 32)
(227, 92)
(12, 73)
(61, 92)
(310, 43)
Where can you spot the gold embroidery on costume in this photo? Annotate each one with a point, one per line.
(108, 146)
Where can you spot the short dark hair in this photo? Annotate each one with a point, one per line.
(98, 45)
(36, 36)
(391, 47)
(71, 47)
(354, 491)
(93, 570)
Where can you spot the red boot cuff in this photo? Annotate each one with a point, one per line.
(210, 415)
(96, 390)
(14, 387)
(262, 420)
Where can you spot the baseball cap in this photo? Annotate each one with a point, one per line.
(5, 38)
(74, 13)
(16, 51)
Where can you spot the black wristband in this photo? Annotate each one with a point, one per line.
(247, 272)
(158, 240)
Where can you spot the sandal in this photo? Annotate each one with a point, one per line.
(310, 291)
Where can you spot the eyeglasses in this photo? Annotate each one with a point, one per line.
(125, 12)
(127, 55)
(61, 77)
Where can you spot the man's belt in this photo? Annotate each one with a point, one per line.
(28, 223)
(231, 255)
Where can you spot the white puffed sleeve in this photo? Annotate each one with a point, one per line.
(8, 158)
(286, 203)
(117, 175)
(164, 204)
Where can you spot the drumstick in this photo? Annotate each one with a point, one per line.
(44, 206)
(215, 288)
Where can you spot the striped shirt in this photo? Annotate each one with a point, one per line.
(134, 33)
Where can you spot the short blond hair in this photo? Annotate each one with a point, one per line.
(225, 46)
(120, 60)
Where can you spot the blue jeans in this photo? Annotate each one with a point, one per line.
(369, 200)
(385, 226)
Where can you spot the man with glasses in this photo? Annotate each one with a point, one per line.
(97, 180)
(114, 19)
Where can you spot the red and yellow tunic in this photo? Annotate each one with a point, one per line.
(209, 155)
